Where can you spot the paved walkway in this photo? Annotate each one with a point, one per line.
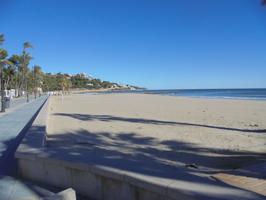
(16, 103)
(11, 125)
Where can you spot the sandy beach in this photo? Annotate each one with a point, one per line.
(209, 133)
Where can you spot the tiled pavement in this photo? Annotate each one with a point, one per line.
(11, 125)
(16, 103)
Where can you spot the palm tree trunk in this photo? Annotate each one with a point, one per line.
(7, 83)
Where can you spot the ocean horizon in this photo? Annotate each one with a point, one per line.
(244, 93)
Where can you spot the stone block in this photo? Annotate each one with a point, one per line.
(86, 183)
(56, 174)
(157, 185)
(149, 195)
(113, 190)
(109, 172)
(31, 169)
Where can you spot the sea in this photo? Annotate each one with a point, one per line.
(250, 94)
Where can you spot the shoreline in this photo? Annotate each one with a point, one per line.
(178, 93)
(218, 98)
(96, 92)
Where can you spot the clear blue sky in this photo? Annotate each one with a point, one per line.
(153, 43)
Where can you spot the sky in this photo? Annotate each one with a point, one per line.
(157, 44)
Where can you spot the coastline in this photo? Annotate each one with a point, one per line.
(255, 94)
(213, 98)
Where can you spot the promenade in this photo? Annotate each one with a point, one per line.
(12, 124)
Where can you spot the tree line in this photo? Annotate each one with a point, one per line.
(17, 74)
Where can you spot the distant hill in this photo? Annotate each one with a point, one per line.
(82, 80)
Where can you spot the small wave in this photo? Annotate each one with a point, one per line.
(226, 97)
(238, 94)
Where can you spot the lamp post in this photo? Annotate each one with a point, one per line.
(27, 92)
(3, 106)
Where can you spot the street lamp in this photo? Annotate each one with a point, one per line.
(3, 106)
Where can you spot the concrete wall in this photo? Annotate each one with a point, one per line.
(92, 184)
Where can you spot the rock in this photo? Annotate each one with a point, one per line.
(253, 125)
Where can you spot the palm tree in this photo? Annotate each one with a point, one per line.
(62, 82)
(9, 74)
(16, 61)
(25, 60)
(3, 55)
(37, 72)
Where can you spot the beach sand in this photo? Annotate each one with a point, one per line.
(160, 131)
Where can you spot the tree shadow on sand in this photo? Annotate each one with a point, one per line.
(110, 118)
(147, 156)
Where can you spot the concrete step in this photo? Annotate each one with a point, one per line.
(11, 188)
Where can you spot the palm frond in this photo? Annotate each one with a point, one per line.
(27, 45)
(7, 62)
(3, 54)
(37, 69)
(15, 59)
